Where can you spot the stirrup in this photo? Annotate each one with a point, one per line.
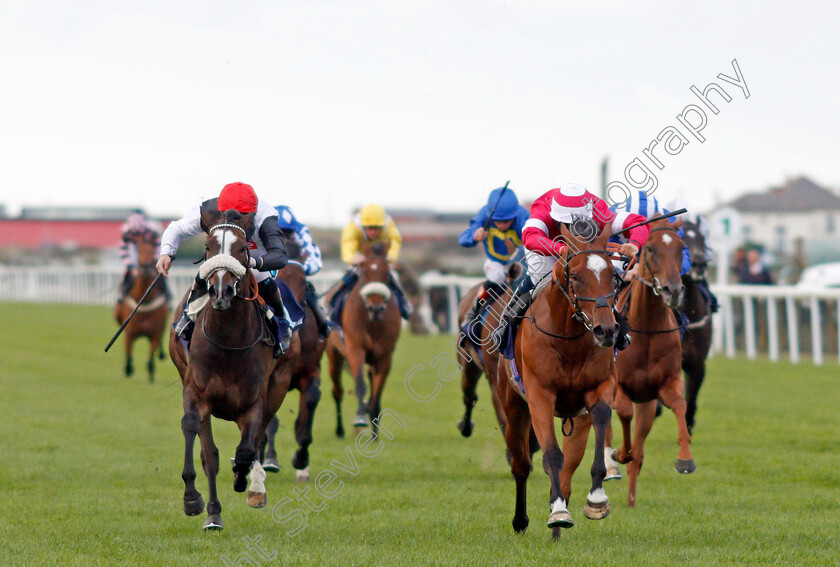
(184, 326)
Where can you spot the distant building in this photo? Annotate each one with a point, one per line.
(799, 209)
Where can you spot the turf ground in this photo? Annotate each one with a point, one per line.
(91, 464)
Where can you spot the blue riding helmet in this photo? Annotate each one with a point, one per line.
(507, 207)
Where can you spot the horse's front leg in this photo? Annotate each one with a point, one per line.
(210, 461)
(246, 451)
(309, 399)
(597, 505)
(671, 396)
(645, 414)
(190, 424)
(624, 409)
(129, 347)
(379, 373)
(356, 361)
(470, 374)
(269, 462)
(541, 402)
(335, 363)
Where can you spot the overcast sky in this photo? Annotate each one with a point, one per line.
(326, 105)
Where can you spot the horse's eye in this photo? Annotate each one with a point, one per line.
(573, 276)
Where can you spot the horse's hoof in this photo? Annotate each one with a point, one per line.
(613, 474)
(256, 499)
(560, 519)
(685, 466)
(194, 507)
(520, 524)
(213, 522)
(302, 475)
(360, 421)
(270, 464)
(339, 432)
(614, 457)
(466, 427)
(596, 510)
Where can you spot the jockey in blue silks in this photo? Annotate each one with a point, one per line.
(299, 233)
(708, 256)
(641, 203)
(499, 226)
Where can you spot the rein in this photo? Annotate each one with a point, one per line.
(573, 298)
(230, 348)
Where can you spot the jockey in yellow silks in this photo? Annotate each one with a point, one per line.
(371, 225)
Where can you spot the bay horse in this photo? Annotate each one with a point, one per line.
(306, 377)
(150, 319)
(563, 352)
(371, 326)
(229, 371)
(649, 369)
(483, 357)
(697, 339)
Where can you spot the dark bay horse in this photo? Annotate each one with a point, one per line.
(229, 371)
(150, 319)
(649, 369)
(306, 377)
(481, 358)
(371, 324)
(563, 352)
(697, 339)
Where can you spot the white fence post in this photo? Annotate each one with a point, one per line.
(793, 329)
(749, 326)
(816, 331)
(772, 329)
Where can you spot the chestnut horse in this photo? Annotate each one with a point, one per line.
(478, 355)
(697, 339)
(371, 326)
(649, 369)
(563, 351)
(306, 377)
(229, 371)
(150, 319)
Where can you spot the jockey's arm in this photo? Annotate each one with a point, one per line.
(175, 234)
(351, 242)
(275, 256)
(394, 240)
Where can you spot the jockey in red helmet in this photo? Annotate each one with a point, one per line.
(268, 252)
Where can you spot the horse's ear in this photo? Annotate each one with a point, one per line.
(246, 220)
(677, 223)
(210, 217)
(606, 232)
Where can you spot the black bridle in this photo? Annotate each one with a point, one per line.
(574, 299)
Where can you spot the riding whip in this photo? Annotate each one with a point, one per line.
(133, 312)
(654, 219)
(493, 210)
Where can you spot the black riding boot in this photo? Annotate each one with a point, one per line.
(402, 301)
(710, 297)
(490, 292)
(271, 295)
(125, 286)
(184, 326)
(321, 319)
(515, 309)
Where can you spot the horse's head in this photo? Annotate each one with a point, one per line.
(587, 278)
(226, 255)
(661, 261)
(696, 243)
(146, 243)
(373, 281)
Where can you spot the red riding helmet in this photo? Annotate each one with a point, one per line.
(238, 196)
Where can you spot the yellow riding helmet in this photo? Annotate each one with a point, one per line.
(373, 215)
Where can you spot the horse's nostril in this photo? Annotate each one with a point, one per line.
(228, 292)
(212, 292)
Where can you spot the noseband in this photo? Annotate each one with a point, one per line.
(225, 261)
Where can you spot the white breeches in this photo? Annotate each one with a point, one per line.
(495, 272)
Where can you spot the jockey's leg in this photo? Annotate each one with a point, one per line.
(184, 326)
(710, 298)
(344, 286)
(321, 319)
(127, 282)
(271, 295)
(402, 301)
(492, 288)
(538, 267)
